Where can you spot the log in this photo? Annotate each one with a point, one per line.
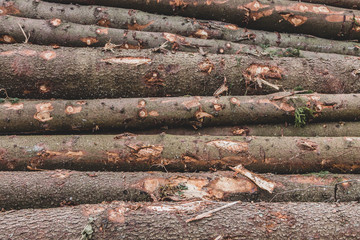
(46, 189)
(280, 16)
(120, 220)
(180, 153)
(57, 33)
(31, 71)
(43, 116)
(327, 129)
(142, 21)
(351, 4)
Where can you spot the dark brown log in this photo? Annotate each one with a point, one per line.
(120, 220)
(280, 16)
(142, 21)
(327, 129)
(43, 72)
(352, 4)
(59, 188)
(41, 116)
(180, 153)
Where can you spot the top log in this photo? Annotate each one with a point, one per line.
(281, 16)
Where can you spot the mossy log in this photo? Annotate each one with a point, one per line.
(31, 71)
(46, 189)
(281, 16)
(142, 21)
(326, 129)
(180, 153)
(160, 220)
(42, 116)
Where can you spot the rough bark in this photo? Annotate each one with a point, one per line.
(41, 116)
(142, 21)
(120, 220)
(180, 153)
(281, 16)
(60, 188)
(32, 71)
(351, 4)
(327, 129)
(58, 33)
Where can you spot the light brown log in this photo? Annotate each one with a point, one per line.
(121, 220)
(44, 189)
(280, 16)
(41, 116)
(180, 153)
(141, 21)
(32, 71)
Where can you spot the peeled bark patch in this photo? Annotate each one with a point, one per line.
(43, 112)
(127, 60)
(231, 146)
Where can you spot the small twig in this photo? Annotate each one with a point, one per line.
(260, 181)
(26, 37)
(209, 213)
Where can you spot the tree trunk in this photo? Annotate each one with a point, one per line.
(142, 21)
(36, 116)
(59, 188)
(43, 72)
(352, 4)
(55, 32)
(120, 220)
(281, 16)
(180, 153)
(327, 129)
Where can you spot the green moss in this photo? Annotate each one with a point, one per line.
(168, 190)
(321, 174)
(298, 88)
(302, 116)
(2, 100)
(14, 100)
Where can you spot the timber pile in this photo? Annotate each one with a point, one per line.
(183, 119)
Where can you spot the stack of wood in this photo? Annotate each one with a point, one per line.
(220, 119)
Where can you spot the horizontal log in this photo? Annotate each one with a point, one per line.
(120, 220)
(57, 33)
(46, 189)
(180, 153)
(32, 71)
(280, 16)
(142, 21)
(351, 4)
(327, 129)
(41, 116)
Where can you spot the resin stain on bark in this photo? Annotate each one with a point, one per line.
(102, 31)
(72, 109)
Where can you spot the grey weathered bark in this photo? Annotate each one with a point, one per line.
(160, 220)
(55, 32)
(180, 153)
(142, 21)
(60, 188)
(327, 129)
(41, 116)
(281, 16)
(43, 72)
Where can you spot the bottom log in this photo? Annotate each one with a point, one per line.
(58, 188)
(120, 220)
